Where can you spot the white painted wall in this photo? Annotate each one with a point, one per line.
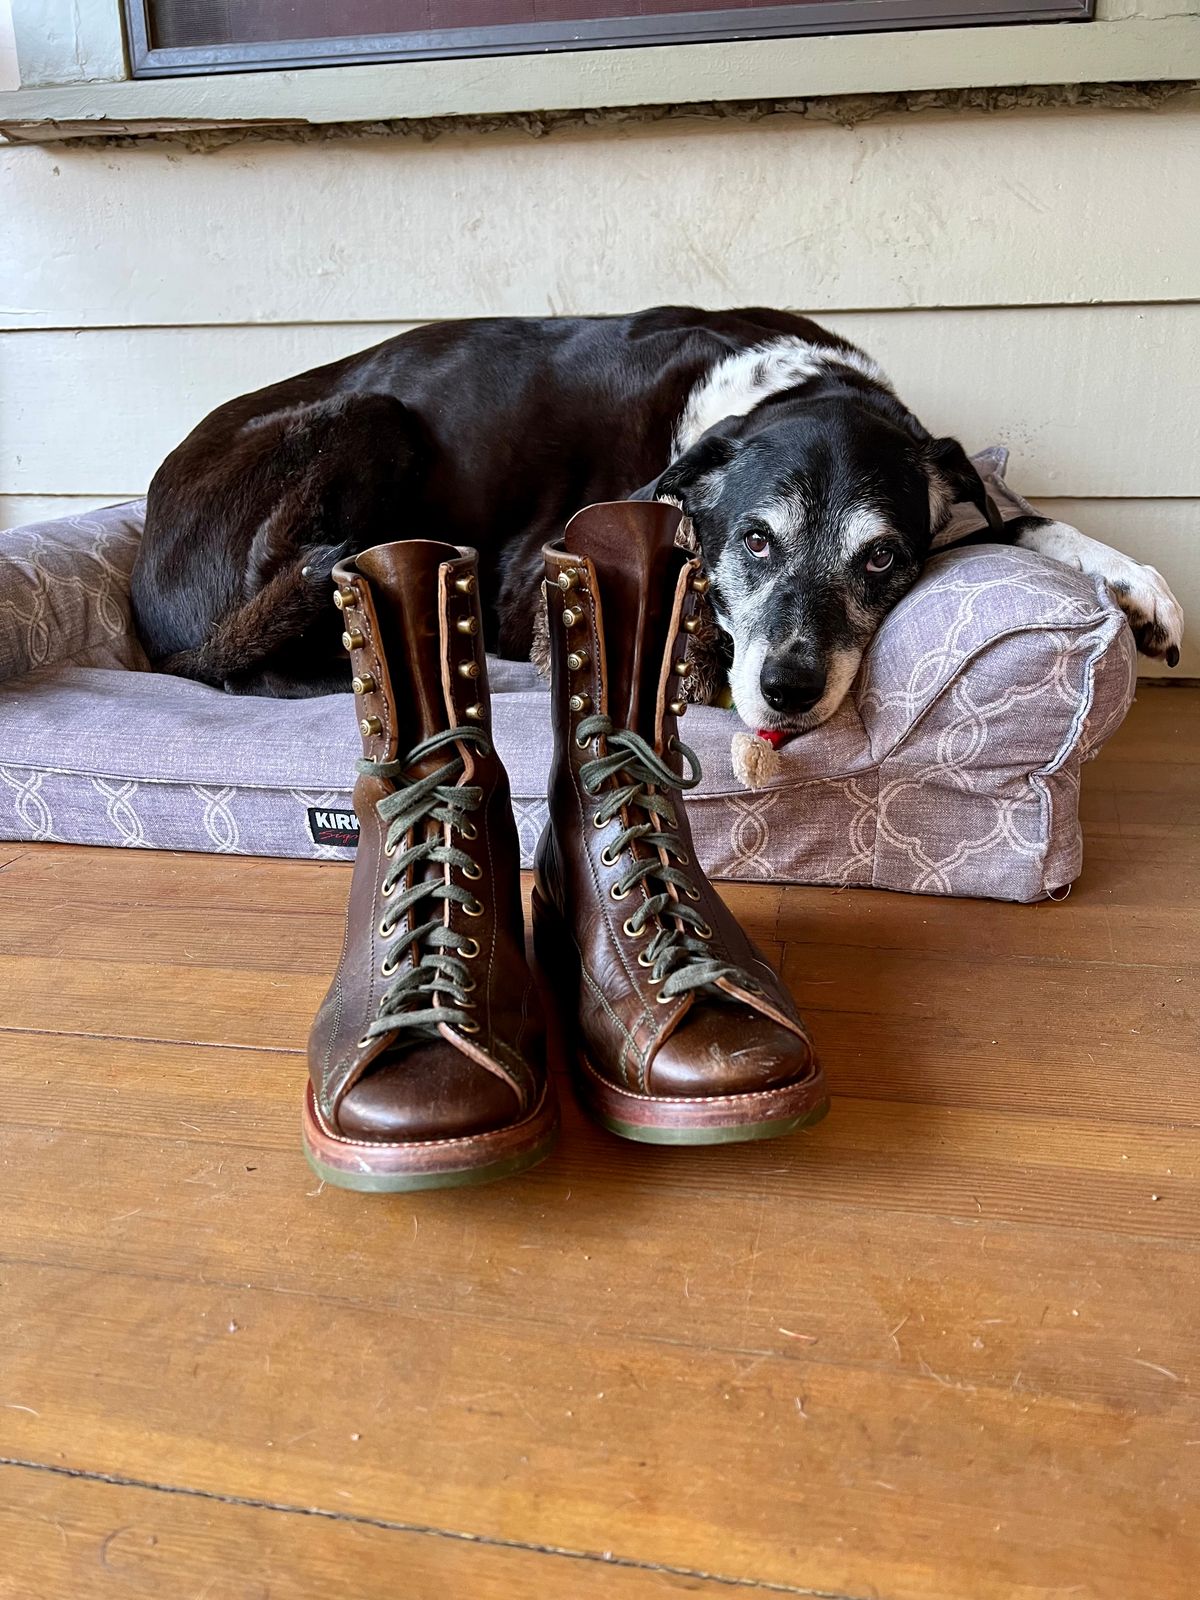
(1032, 277)
(10, 74)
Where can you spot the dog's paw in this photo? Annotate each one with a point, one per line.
(1142, 593)
(1155, 615)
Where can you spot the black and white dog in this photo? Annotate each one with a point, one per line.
(815, 494)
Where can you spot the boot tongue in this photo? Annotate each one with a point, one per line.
(404, 589)
(632, 546)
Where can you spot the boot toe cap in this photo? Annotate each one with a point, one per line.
(429, 1092)
(720, 1050)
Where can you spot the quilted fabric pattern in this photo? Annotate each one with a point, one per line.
(953, 768)
(64, 592)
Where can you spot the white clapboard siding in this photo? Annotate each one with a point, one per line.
(1093, 401)
(944, 210)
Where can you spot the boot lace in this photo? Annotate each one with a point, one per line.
(435, 988)
(678, 956)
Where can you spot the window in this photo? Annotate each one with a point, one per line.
(168, 37)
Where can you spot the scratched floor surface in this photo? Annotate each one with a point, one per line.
(945, 1347)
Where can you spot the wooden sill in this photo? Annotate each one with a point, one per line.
(1135, 49)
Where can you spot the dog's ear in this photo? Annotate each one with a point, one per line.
(686, 479)
(953, 478)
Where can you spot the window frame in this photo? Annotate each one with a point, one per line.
(819, 17)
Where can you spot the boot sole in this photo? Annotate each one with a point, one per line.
(664, 1120)
(373, 1167)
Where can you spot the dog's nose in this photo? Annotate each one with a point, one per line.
(792, 682)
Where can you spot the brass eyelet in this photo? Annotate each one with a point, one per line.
(609, 857)
(468, 1026)
(468, 985)
(387, 967)
(365, 1041)
(682, 859)
(618, 893)
(388, 889)
(645, 959)
(469, 949)
(630, 931)
(473, 872)
(582, 744)
(652, 980)
(599, 821)
(692, 894)
(703, 931)
(389, 850)
(475, 910)
(385, 930)
(469, 830)
(665, 999)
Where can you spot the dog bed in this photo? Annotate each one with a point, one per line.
(952, 768)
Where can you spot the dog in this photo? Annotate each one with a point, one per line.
(814, 494)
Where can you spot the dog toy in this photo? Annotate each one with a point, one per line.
(756, 756)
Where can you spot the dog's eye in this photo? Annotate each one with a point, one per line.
(880, 558)
(757, 543)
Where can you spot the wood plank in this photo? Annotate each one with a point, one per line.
(943, 1159)
(943, 1345)
(813, 215)
(755, 1464)
(125, 398)
(914, 1008)
(91, 1540)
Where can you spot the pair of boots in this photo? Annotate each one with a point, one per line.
(429, 1057)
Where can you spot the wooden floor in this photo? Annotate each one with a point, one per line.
(946, 1345)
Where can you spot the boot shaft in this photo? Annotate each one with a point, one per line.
(622, 597)
(414, 633)
(415, 636)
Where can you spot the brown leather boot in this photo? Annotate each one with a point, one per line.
(684, 1034)
(427, 1058)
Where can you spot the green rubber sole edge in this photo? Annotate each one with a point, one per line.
(408, 1182)
(744, 1134)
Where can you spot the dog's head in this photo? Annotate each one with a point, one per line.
(813, 519)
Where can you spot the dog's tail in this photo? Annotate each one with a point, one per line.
(292, 600)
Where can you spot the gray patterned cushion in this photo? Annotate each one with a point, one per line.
(952, 769)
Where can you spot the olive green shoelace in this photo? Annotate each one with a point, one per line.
(677, 954)
(439, 972)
